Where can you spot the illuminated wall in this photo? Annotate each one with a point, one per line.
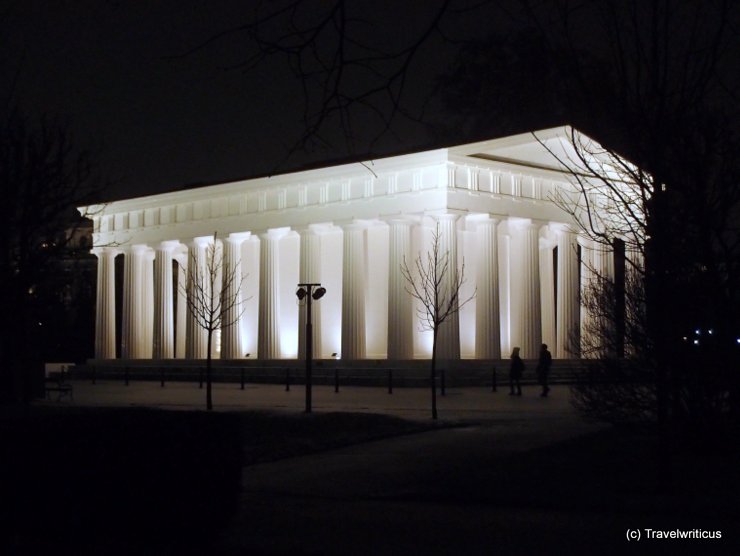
(491, 200)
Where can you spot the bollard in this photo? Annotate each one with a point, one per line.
(161, 378)
(242, 378)
(287, 380)
(125, 375)
(493, 380)
(336, 381)
(390, 381)
(442, 383)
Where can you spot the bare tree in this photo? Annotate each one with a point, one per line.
(660, 90)
(353, 81)
(435, 282)
(43, 178)
(214, 300)
(619, 385)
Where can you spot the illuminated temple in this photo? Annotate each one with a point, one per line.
(350, 227)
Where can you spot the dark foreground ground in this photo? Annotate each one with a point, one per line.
(130, 480)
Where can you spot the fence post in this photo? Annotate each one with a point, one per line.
(161, 377)
(336, 380)
(242, 378)
(94, 371)
(390, 381)
(201, 378)
(125, 375)
(442, 383)
(287, 380)
(494, 387)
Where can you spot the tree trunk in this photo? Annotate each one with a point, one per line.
(433, 377)
(658, 290)
(209, 399)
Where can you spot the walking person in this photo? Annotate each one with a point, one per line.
(515, 373)
(543, 369)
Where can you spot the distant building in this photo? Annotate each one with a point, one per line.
(350, 227)
(67, 297)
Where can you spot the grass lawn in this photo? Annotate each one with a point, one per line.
(134, 479)
(615, 471)
(143, 481)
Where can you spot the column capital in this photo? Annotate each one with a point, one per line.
(355, 225)
(529, 223)
(446, 216)
(275, 233)
(168, 245)
(562, 228)
(548, 237)
(585, 241)
(104, 251)
(140, 249)
(482, 219)
(315, 229)
(201, 241)
(401, 219)
(237, 238)
(136, 248)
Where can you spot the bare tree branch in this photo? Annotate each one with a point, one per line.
(436, 286)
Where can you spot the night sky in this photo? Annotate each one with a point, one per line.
(163, 106)
(160, 113)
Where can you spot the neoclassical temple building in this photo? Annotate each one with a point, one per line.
(350, 227)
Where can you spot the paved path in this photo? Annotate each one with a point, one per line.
(411, 403)
(428, 493)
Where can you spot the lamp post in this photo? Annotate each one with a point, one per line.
(307, 292)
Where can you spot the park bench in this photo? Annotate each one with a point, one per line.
(58, 385)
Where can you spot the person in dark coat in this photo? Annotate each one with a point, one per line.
(515, 373)
(543, 369)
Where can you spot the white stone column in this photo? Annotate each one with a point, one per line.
(310, 273)
(133, 326)
(147, 300)
(353, 292)
(634, 310)
(528, 332)
(269, 311)
(232, 295)
(588, 278)
(105, 307)
(218, 269)
(448, 337)
(487, 310)
(197, 336)
(604, 261)
(547, 290)
(164, 325)
(127, 306)
(505, 286)
(182, 305)
(400, 305)
(607, 319)
(568, 305)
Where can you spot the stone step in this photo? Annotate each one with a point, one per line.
(474, 373)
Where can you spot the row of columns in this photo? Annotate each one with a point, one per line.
(517, 303)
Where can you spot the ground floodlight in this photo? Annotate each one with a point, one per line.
(301, 293)
(319, 293)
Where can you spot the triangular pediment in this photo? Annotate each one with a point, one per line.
(545, 149)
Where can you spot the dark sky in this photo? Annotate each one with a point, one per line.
(160, 113)
(160, 116)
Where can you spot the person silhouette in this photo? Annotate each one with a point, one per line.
(515, 373)
(543, 369)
